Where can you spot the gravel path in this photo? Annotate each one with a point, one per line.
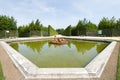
(110, 70)
(9, 70)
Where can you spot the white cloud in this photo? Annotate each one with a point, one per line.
(59, 13)
(107, 2)
(27, 10)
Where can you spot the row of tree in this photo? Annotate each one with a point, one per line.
(7, 23)
(108, 27)
(9, 28)
(81, 28)
(36, 29)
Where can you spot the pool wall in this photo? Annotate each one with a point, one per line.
(102, 65)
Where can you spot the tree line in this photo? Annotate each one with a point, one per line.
(81, 28)
(35, 28)
(7, 25)
(108, 27)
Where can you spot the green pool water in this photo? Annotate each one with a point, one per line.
(75, 54)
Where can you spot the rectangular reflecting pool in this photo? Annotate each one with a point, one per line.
(75, 54)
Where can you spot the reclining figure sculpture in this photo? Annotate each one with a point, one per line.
(58, 41)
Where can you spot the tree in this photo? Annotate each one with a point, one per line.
(60, 31)
(107, 26)
(51, 31)
(67, 31)
(90, 27)
(37, 25)
(7, 23)
(24, 31)
(44, 30)
(116, 30)
(74, 31)
(118, 24)
(81, 30)
(31, 26)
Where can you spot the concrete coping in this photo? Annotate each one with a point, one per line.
(30, 71)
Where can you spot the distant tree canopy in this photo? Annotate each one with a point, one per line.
(7, 23)
(51, 31)
(32, 29)
(109, 27)
(67, 31)
(36, 29)
(60, 31)
(81, 28)
(91, 27)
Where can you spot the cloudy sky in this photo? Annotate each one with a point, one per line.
(59, 13)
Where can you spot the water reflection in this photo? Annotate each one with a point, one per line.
(101, 46)
(15, 46)
(74, 54)
(81, 46)
(35, 46)
(55, 45)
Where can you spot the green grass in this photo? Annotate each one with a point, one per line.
(118, 72)
(1, 73)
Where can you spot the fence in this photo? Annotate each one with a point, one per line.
(15, 33)
(8, 34)
(38, 33)
(111, 32)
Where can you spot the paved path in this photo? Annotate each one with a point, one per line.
(95, 38)
(9, 70)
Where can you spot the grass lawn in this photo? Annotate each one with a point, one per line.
(1, 73)
(118, 73)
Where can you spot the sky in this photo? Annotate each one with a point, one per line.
(59, 13)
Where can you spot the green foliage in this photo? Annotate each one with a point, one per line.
(116, 30)
(33, 29)
(44, 31)
(81, 27)
(1, 73)
(60, 31)
(31, 25)
(37, 25)
(118, 71)
(51, 31)
(24, 31)
(2, 34)
(74, 31)
(110, 27)
(7, 23)
(67, 31)
(90, 27)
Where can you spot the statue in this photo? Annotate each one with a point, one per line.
(58, 41)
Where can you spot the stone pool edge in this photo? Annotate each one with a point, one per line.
(93, 70)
